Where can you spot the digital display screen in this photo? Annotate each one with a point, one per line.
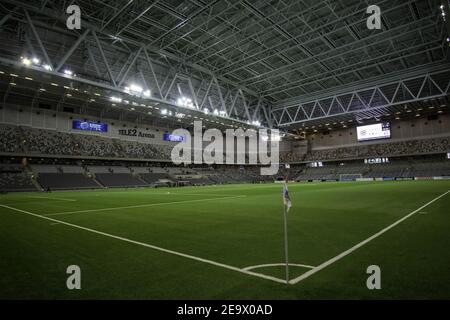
(173, 137)
(89, 126)
(374, 131)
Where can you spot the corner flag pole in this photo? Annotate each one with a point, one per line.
(286, 250)
(286, 205)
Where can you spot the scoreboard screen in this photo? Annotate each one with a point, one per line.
(374, 131)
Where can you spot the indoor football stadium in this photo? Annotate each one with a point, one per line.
(224, 150)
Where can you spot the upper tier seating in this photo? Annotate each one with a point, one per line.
(395, 169)
(411, 147)
(132, 149)
(10, 139)
(35, 141)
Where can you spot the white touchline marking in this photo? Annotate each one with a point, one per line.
(277, 265)
(49, 198)
(359, 245)
(217, 264)
(138, 206)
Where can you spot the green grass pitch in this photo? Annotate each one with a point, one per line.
(197, 242)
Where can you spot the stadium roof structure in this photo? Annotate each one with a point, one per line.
(290, 64)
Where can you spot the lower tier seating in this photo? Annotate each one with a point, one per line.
(15, 181)
(119, 180)
(61, 181)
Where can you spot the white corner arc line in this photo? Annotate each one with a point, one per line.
(138, 206)
(217, 264)
(359, 245)
(277, 265)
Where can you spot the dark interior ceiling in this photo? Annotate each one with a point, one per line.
(248, 58)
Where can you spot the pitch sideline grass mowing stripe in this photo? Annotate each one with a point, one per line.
(50, 198)
(147, 193)
(138, 206)
(201, 194)
(362, 243)
(217, 264)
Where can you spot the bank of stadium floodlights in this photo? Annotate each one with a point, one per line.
(201, 91)
(137, 91)
(319, 70)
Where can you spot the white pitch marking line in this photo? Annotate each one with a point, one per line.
(49, 198)
(138, 206)
(278, 264)
(362, 243)
(217, 264)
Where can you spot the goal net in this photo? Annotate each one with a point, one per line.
(350, 176)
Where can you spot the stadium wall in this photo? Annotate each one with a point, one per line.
(59, 121)
(400, 130)
(117, 129)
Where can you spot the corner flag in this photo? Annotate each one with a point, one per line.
(286, 199)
